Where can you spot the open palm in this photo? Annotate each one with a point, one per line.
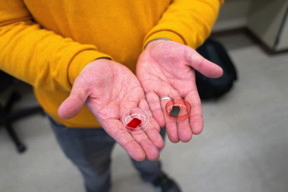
(110, 90)
(167, 68)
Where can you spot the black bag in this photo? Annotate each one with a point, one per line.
(209, 88)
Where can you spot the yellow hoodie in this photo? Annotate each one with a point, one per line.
(47, 43)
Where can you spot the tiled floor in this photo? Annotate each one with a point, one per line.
(244, 146)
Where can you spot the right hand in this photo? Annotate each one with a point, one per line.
(110, 90)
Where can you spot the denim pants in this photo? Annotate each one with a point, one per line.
(90, 151)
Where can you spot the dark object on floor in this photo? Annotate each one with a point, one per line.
(165, 184)
(209, 88)
(7, 116)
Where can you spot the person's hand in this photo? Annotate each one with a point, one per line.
(167, 68)
(111, 90)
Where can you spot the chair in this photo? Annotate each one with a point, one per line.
(7, 116)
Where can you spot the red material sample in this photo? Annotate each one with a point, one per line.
(134, 123)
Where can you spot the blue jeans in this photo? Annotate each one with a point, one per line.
(90, 151)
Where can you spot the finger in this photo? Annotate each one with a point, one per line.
(116, 130)
(172, 132)
(196, 117)
(204, 66)
(151, 151)
(155, 107)
(73, 104)
(153, 129)
(184, 130)
(155, 137)
(171, 125)
(145, 107)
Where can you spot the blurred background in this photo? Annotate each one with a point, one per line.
(244, 146)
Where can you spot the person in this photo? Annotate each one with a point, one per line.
(91, 62)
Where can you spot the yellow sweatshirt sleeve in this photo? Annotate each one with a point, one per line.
(187, 22)
(38, 56)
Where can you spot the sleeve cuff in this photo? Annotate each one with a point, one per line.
(81, 60)
(164, 35)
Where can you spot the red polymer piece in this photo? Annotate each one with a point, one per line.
(134, 123)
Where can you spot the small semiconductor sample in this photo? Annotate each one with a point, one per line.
(174, 111)
(134, 123)
(178, 109)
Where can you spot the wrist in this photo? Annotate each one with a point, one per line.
(157, 39)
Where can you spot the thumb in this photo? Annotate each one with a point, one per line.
(202, 65)
(73, 104)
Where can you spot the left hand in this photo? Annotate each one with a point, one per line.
(167, 68)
